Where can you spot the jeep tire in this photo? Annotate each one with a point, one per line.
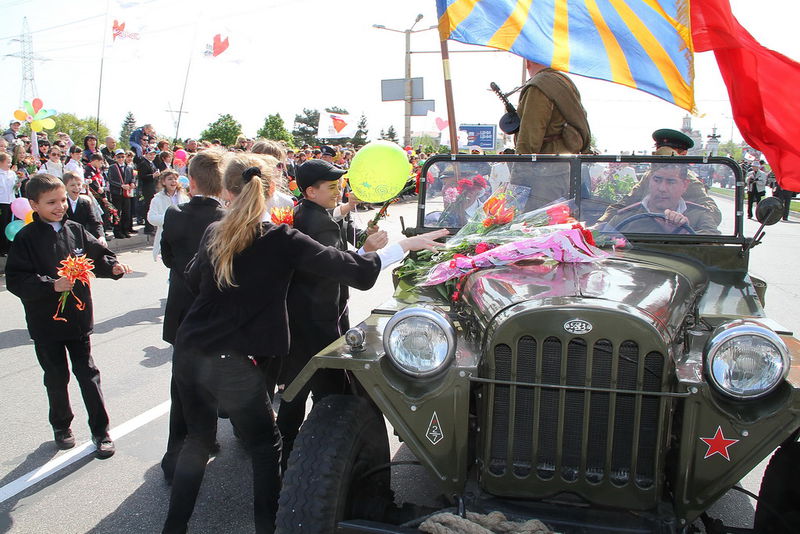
(343, 438)
(780, 493)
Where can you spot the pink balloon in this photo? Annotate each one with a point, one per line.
(37, 105)
(20, 207)
(181, 154)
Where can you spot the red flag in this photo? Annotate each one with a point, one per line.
(762, 86)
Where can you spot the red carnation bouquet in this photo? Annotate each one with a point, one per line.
(75, 269)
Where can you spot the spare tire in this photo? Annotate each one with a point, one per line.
(343, 439)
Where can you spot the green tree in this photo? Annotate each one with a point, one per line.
(76, 128)
(305, 128)
(729, 148)
(128, 126)
(360, 138)
(390, 135)
(275, 129)
(225, 128)
(430, 145)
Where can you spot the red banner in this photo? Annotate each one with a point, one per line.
(762, 86)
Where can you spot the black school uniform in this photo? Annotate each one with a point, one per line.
(224, 335)
(318, 316)
(183, 229)
(31, 271)
(84, 214)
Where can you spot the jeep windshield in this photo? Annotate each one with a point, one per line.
(642, 197)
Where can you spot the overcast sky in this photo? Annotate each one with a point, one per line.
(286, 55)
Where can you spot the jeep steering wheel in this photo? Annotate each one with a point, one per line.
(640, 216)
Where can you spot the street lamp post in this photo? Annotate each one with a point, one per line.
(407, 97)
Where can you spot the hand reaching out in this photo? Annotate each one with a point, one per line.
(376, 241)
(63, 284)
(121, 268)
(424, 241)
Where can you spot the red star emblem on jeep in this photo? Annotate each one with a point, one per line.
(718, 445)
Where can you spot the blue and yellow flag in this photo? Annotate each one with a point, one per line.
(644, 44)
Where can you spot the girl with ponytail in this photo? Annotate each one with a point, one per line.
(237, 329)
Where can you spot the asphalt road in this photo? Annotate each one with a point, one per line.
(49, 491)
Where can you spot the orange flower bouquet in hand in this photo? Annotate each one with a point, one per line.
(282, 216)
(74, 269)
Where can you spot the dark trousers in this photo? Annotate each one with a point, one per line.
(5, 218)
(239, 388)
(123, 204)
(148, 192)
(52, 356)
(753, 197)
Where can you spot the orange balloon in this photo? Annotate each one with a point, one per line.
(28, 217)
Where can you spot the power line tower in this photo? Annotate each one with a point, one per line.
(28, 89)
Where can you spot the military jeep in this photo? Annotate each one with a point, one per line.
(625, 394)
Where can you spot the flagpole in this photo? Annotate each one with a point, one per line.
(102, 61)
(448, 93)
(185, 84)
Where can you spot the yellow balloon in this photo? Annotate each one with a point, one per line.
(28, 217)
(379, 171)
(20, 115)
(48, 123)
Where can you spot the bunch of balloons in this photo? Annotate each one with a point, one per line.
(23, 214)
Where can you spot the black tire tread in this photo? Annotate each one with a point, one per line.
(780, 493)
(316, 476)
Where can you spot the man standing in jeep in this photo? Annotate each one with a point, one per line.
(552, 118)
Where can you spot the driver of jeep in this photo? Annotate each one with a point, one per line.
(663, 209)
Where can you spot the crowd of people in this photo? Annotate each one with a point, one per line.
(241, 284)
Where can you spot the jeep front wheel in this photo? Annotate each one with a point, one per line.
(343, 439)
(778, 509)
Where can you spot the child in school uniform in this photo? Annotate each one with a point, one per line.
(32, 275)
(80, 208)
(237, 326)
(317, 305)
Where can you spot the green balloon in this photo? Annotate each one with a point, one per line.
(12, 228)
(379, 171)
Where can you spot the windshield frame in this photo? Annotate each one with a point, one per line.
(575, 162)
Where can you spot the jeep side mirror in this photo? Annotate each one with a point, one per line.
(769, 211)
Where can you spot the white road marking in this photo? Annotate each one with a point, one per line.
(60, 462)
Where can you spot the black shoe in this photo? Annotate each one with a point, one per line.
(133, 232)
(64, 439)
(118, 235)
(105, 447)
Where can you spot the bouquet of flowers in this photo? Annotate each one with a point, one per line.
(282, 216)
(75, 269)
(498, 235)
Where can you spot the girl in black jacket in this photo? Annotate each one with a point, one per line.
(236, 328)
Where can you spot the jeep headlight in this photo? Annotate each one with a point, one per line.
(745, 359)
(419, 341)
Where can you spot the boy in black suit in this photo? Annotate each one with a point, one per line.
(80, 207)
(317, 306)
(184, 226)
(32, 275)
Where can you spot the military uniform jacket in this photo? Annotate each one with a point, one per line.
(183, 229)
(251, 318)
(551, 123)
(700, 219)
(32, 269)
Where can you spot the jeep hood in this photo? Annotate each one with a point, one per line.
(661, 286)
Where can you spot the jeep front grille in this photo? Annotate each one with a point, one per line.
(575, 410)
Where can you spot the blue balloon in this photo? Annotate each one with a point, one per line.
(184, 181)
(12, 228)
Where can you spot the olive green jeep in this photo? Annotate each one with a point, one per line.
(624, 394)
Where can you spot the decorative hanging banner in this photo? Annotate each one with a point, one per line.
(336, 126)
